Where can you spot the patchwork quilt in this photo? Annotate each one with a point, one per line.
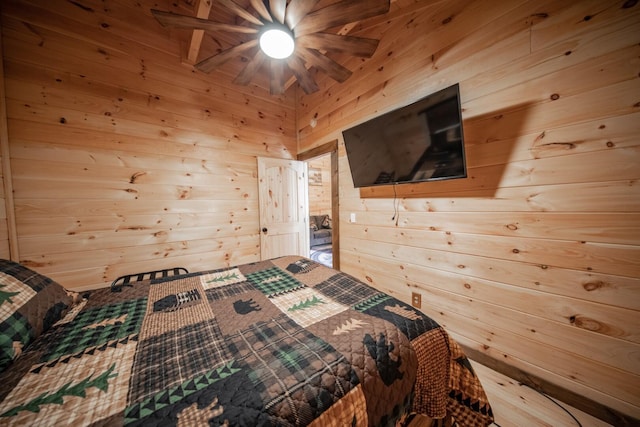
(284, 342)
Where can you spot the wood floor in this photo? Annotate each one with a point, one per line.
(516, 405)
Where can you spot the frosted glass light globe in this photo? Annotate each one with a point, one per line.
(277, 43)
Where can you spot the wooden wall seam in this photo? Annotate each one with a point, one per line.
(6, 165)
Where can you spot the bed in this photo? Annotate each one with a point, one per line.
(285, 342)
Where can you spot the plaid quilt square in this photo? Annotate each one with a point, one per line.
(297, 374)
(14, 332)
(273, 281)
(166, 360)
(307, 306)
(344, 290)
(13, 295)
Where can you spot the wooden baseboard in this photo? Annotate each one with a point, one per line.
(595, 409)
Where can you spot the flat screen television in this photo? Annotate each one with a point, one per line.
(419, 142)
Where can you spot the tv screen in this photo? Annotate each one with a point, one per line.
(422, 141)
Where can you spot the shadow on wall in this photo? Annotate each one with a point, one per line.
(489, 140)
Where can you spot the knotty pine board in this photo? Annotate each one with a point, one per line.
(60, 138)
(616, 228)
(226, 138)
(607, 273)
(611, 321)
(122, 256)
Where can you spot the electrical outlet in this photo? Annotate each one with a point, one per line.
(416, 299)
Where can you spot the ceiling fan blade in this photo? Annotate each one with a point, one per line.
(262, 10)
(214, 61)
(306, 82)
(277, 77)
(247, 73)
(277, 9)
(168, 19)
(340, 13)
(297, 10)
(233, 6)
(355, 46)
(336, 71)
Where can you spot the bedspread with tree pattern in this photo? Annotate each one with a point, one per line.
(284, 342)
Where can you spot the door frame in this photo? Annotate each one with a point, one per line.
(330, 148)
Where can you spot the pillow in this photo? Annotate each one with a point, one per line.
(30, 303)
(326, 222)
(313, 223)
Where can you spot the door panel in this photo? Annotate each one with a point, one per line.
(283, 198)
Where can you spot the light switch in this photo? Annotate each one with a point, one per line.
(353, 217)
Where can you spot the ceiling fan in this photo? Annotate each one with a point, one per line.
(302, 29)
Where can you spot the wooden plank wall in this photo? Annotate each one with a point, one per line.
(124, 159)
(534, 258)
(320, 195)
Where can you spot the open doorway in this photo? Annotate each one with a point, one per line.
(324, 224)
(320, 212)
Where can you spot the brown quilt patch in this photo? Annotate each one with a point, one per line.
(305, 270)
(351, 410)
(468, 403)
(174, 305)
(255, 267)
(242, 310)
(432, 349)
(380, 355)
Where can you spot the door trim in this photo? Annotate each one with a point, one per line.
(330, 148)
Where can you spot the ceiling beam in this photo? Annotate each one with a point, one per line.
(202, 8)
(343, 32)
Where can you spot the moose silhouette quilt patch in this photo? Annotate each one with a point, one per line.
(282, 342)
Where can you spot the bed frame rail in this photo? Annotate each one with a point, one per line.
(128, 279)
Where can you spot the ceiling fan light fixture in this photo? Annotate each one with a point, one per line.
(276, 41)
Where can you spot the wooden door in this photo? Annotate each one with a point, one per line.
(284, 210)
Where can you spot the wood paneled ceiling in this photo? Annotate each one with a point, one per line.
(198, 45)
